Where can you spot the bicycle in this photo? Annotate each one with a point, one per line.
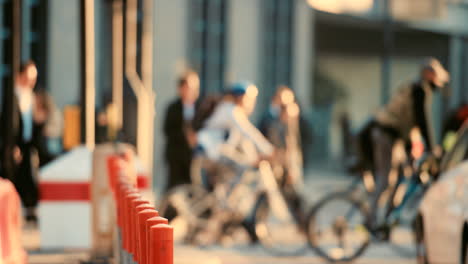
(210, 209)
(347, 211)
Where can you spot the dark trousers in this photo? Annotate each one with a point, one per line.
(23, 175)
(382, 144)
(179, 172)
(25, 179)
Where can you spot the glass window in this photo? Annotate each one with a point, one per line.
(278, 39)
(208, 38)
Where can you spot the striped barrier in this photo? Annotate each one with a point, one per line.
(76, 185)
(142, 235)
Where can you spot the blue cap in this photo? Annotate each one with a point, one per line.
(239, 88)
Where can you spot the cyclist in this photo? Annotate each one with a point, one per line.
(228, 139)
(411, 107)
(228, 136)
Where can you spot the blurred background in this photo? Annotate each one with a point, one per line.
(342, 58)
(111, 67)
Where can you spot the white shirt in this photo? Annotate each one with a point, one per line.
(189, 112)
(25, 98)
(230, 118)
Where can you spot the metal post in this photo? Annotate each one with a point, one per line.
(16, 60)
(117, 60)
(388, 46)
(148, 101)
(25, 30)
(142, 88)
(88, 70)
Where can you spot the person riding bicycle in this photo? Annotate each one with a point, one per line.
(411, 107)
(225, 132)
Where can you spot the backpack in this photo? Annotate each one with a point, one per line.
(205, 110)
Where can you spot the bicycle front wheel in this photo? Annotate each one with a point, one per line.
(187, 208)
(335, 228)
(281, 235)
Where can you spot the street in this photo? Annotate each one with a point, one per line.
(318, 184)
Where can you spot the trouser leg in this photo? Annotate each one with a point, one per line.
(382, 148)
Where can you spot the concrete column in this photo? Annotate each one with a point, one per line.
(63, 52)
(464, 83)
(303, 53)
(103, 40)
(170, 59)
(26, 31)
(244, 38)
(455, 68)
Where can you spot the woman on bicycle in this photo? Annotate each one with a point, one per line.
(228, 135)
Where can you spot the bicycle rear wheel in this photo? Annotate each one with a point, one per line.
(279, 235)
(335, 228)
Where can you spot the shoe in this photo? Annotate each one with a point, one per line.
(369, 226)
(250, 228)
(31, 218)
(30, 215)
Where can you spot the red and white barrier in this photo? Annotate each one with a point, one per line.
(66, 188)
(103, 196)
(11, 250)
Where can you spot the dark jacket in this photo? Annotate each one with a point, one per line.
(177, 146)
(16, 134)
(407, 109)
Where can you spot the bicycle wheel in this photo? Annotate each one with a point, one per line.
(188, 208)
(280, 235)
(335, 228)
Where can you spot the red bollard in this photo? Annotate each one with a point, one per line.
(11, 249)
(133, 223)
(143, 216)
(127, 217)
(135, 246)
(122, 211)
(121, 191)
(161, 249)
(113, 171)
(149, 223)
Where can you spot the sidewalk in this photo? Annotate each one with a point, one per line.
(318, 183)
(321, 181)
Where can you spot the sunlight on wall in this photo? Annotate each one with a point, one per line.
(342, 6)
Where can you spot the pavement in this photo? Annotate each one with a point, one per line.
(318, 183)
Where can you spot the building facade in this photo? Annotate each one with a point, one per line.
(337, 63)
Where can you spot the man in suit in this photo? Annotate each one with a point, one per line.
(18, 156)
(180, 137)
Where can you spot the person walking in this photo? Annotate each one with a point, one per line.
(28, 120)
(178, 131)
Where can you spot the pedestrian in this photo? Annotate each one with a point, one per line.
(28, 123)
(282, 127)
(410, 108)
(50, 138)
(178, 131)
